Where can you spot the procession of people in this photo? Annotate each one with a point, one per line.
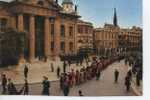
(86, 73)
(68, 79)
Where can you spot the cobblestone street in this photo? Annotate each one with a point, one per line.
(104, 87)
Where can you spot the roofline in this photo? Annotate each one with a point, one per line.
(16, 2)
(85, 23)
(68, 14)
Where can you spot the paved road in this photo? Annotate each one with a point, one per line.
(104, 87)
(36, 71)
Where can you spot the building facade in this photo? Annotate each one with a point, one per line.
(54, 29)
(130, 39)
(84, 35)
(113, 40)
(106, 39)
(50, 27)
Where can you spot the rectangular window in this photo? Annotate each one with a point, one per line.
(71, 46)
(86, 30)
(52, 46)
(63, 30)
(62, 46)
(52, 26)
(52, 29)
(3, 23)
(103, 35)
(70, 31)
(16, 22)
(80, 30)
(106, 36)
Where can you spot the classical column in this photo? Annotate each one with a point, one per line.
(32, 38)
(47, 37)
(13, 22)
(20, 23)
(75, 37)
(20, 26)
(67, 39)
(57, 38)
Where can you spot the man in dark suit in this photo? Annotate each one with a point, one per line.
(116, 74)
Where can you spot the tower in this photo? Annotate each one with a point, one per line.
(68, 6)
(115, 20)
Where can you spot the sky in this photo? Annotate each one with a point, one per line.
(99, 12)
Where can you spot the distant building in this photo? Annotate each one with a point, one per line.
(111, 39)
(130, 39)
(106, 39)
(84, 35)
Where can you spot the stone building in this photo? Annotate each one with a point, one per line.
(135, 37)
(112, 40)
(130, 39)
(50, 27)
(85, 35)
(106, 39)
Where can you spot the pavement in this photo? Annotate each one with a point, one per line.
(138, 90)
(36, 71)
(104, 87)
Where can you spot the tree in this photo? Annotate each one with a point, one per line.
(12, 45)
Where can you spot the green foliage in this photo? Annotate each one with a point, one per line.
(12, 45)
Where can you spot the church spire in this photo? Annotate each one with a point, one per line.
(115, 20)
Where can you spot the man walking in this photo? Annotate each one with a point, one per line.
(66, 86)
(116, 74)
(138, 79)
(11, 88)
(58, 72)
(46, 86)
(52, 67)
(4, 83)
(64, 67)
(98, 74)
(127, 83)
(26, 88)
(26, 72)
(129, 73)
